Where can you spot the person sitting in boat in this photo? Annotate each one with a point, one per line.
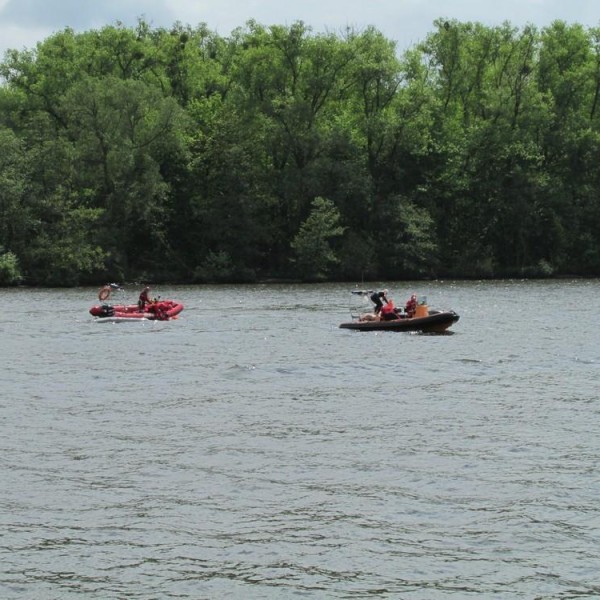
(144, 299)
(378, 299)
(411, 306)
(389, 312)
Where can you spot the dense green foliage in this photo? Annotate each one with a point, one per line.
(181, 155)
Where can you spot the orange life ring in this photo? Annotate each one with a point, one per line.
(104, 293)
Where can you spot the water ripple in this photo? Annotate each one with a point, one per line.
(272, 455)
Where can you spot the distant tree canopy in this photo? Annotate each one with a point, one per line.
(180, 155)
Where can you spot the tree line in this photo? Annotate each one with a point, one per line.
(179, 155)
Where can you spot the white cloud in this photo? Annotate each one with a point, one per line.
(20, 38)
(23, 22)
(79, 14)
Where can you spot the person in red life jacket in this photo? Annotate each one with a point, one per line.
(378, 298)
(411, 306)
(159, 309)
(144, 298)
(389, 311)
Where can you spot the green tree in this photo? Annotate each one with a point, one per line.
(312, 243)
(120, 130)
(14, 169)
(407, 244)
(10, 272)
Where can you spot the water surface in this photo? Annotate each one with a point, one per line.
(252, 449)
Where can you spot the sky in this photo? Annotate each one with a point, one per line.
(23, 23)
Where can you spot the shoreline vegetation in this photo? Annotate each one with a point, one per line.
(352, 284)
(279, 155)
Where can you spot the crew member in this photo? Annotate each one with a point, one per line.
(389, 312)
(144, 298)
(411, 306)
(378, 299)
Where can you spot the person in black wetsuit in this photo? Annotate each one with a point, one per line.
(378, 299)
(144, 299)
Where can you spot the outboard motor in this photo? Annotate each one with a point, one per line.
(107, 310)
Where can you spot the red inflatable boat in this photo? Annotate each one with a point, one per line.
(159, 310)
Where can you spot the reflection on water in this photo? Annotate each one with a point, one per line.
(253, 449)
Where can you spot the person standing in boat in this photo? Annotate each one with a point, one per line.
(378, 299)
(144, 298)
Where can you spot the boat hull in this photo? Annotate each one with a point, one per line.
(435, 322)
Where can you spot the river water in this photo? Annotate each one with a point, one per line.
(252, 449)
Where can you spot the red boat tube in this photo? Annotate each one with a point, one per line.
(161, 310)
